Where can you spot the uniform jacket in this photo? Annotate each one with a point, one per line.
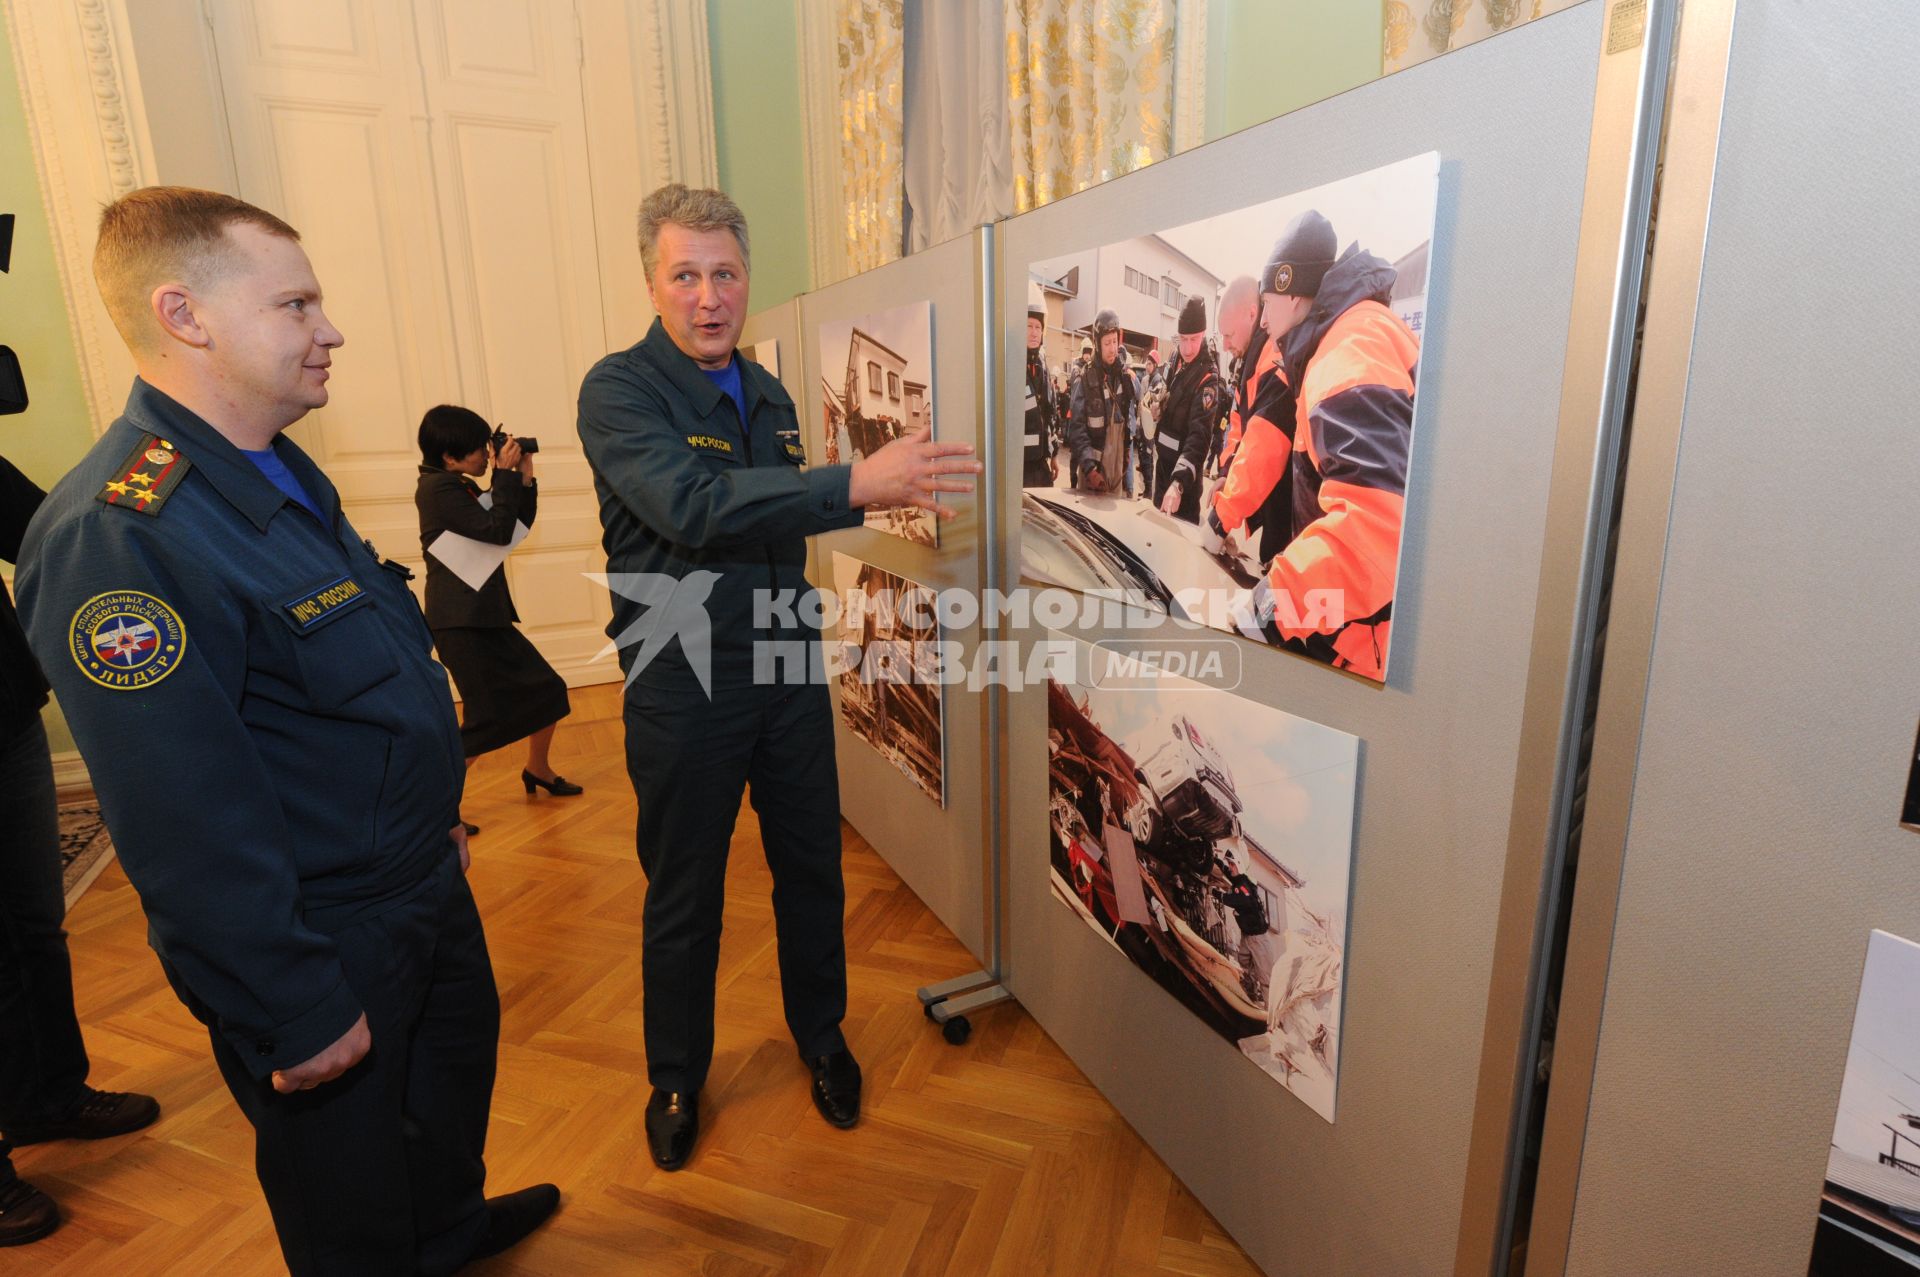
(23, 688)
(1191, 411)
(1260, 431)
(1355, 362)
(683, 490)
(273, 745)
(1037, 441)
(1106, 409)
(450, 502)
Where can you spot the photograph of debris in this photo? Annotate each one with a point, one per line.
(1870, 1209)
(1209, 839)
(876, 374)
(1228, 406)
(887, 632)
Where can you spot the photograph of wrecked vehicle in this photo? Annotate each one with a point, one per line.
(1209, 839)
(1226, 408)
(887, 635)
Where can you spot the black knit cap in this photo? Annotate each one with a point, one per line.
(1193, 317)
(1301, 257)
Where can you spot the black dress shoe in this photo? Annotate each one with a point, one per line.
(559, 786)
(97, 1115)
(26, 1214)
(836, 1087)
(512, 1217)
(673, 1124)
(470, 827)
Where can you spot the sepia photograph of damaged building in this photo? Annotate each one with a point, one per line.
(888, 698)
(876, 382)
(1209, 839)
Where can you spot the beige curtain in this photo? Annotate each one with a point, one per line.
(871, 77)
(1092, 88)
(1415, 30)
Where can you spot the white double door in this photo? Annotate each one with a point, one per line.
(435, 157)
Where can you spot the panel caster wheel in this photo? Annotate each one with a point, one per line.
(957, 1030)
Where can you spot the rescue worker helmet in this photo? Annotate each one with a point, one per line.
(1036, 304)
(1107, 321)
(1301, 257)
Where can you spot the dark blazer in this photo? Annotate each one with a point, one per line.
(450, 502)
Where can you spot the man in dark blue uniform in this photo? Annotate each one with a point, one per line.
(275, 751)
(697, 460)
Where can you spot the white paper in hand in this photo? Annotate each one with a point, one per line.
(475, 561)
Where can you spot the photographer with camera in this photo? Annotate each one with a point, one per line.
(507, 689)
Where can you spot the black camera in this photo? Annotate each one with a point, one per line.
(528, 444)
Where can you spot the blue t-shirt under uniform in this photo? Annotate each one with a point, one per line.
(728, 379)
(276, 470)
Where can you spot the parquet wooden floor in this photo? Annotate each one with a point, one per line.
(993, 1159)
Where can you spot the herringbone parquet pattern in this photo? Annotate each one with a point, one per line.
(994, 1159)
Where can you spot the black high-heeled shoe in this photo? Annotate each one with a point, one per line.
(559, 786)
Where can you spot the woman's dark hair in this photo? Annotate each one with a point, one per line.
(449, 430)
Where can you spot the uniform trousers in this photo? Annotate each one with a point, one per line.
(690, 760)
(43, 1062)
(381, 1170)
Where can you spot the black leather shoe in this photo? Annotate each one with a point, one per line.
(673, 1124)
(512, 1217)
(559, 786)
(98, 1115)
(26, 1214)
(836, 1087)
(470, 827)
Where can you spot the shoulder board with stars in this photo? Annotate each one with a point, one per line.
(147, 477)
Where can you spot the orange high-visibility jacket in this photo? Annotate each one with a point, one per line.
(1259, 441)
(1354, 427)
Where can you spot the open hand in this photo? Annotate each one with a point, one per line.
(910, 471)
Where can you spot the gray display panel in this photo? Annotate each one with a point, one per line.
(1380, 1191)
(1763, 842)
(936, 852)
(781, 325)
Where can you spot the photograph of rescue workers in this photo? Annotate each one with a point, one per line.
(888, 697)
(876, 374)
(1219, 415)
(1209, 839)
(1870, 1210)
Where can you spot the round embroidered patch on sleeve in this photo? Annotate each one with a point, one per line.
(125, 640)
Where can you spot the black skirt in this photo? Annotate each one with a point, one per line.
(507, 690)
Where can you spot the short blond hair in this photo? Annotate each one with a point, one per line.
(697, 210)
(162, 233)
